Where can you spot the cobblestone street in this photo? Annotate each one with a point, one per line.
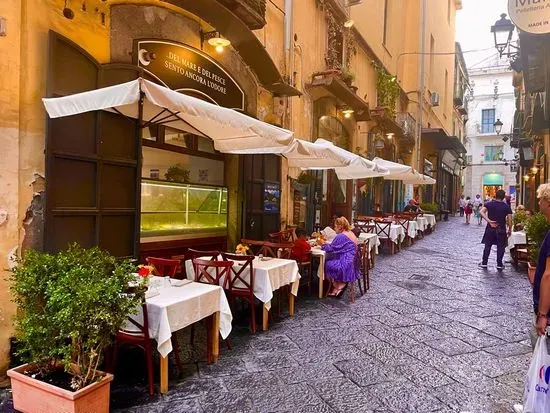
(435, 333)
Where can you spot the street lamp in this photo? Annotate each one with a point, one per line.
(498, 126)
(503, 30)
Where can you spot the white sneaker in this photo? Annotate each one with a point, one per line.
(500, 267)
(518, 408)
(482, 265)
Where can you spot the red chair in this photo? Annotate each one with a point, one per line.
(286, 235)
(163, 267)
(404, 221)
(276, 249)
(304, 265)
(212, 254)
(254, 245)
(241, 286)
(383, 229)
(364, 251)
(215, 273)
(136, 333)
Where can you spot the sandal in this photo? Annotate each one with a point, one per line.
(338, 292)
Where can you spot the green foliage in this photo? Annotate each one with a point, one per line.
(69, 306)
(347, 76)
(520, 218)
(429, 207)
(536, 228)
(387, 88)
(177, 173)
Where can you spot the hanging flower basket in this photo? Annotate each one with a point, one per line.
(305, 179)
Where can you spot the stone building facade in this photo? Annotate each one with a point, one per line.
(297, 65)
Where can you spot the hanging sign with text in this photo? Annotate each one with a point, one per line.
(188, 70)
(531, 16)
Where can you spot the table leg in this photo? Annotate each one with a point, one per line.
(291, 304)
(265, 318)
(163, 374)
(321, 273)
(215, 336)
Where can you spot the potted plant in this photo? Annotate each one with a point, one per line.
(347, 77)
(519, 220)
(177, 173)
(305, 178)
(429, 207)
(70, 304)
(536, 228)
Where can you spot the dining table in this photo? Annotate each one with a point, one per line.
(430, 220)
(175, 304)
(516, 238)
(422, 223)
(270, 274)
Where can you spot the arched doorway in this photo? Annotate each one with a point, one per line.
(491, 184)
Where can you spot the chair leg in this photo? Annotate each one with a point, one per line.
(310, 270)
(114, 357)
(352, 292)
(149, 356)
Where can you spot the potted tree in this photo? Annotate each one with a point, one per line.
(69, 306)
(536, 228)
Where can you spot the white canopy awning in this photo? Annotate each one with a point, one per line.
(309, 155)
(421, 180)
(357, 167)
(397, 171)
(231, 131)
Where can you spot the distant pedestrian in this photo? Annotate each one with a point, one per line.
(477, 201)
(499, 226)
(478, 213)
(461, 205)
(468, 209)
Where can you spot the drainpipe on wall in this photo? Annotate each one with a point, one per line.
(288, 42)
(421, 57)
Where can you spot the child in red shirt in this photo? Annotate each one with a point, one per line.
(301, 247)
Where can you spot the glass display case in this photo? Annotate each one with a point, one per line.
(170, 209)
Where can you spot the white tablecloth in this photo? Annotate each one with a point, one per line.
(397, 232)
(374, 242)
(517, 238)
(175, 308)
(422, 223)
(430, 219)
(412, 229)
(269, 275)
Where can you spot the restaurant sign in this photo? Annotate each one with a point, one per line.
(185, 69)
(531, 16)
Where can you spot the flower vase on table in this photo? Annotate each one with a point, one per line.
(242, 249)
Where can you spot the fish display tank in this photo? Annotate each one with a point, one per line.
(171, 209)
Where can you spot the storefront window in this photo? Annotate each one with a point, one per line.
(178, 138)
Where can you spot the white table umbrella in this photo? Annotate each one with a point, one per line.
(420, 180)
(397, 171)
(358, 167)
(231, 131)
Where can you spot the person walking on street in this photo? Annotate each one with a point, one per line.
(468, 209)
(478, 203)
(461, 205)
(498, 215)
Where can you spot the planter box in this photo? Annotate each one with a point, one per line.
(32, 396)
(531, 268)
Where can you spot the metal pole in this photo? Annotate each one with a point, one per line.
(421, 57)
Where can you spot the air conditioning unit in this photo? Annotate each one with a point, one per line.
(434, 99)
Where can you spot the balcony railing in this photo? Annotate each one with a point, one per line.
(252, 12)
(407, 123)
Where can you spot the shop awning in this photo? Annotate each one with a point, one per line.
(442, 141)
(396, 170)
(231, 131)
(303, 154)
(420, 180)
(358, 167)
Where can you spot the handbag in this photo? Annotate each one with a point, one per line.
(536, 392)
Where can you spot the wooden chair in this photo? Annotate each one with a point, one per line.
(136, 333)
(163, 267)
(404, 222)
(276, 249)
(212, 271)
(364, 251)
(286, 235)
(364, 224)
(241, 286)
(383, 230)
(304, 265)
(357, 261)
(215, 273)
(254, 245)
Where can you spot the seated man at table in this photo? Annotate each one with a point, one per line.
(412, 207)
(301, 247)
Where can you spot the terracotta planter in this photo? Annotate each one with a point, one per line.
(31, 395)
(531, 268)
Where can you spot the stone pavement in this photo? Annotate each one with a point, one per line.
(435, 333)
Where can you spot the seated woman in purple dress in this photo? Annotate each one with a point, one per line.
(342, 260)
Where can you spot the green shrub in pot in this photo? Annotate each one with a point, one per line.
(519, 220)
(429, 207)
(69, 306)
(536, 228)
